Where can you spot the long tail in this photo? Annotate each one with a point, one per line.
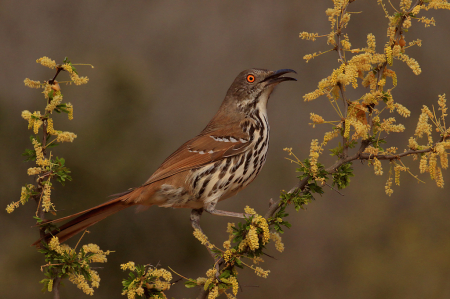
(84, 220)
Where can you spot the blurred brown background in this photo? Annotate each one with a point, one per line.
(161, 71)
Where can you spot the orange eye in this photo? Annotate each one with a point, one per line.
(250, 78)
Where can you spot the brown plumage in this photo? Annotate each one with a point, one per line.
(223, 159)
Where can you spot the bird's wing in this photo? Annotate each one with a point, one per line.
(208, 147)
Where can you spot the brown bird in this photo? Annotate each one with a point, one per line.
(216, 164)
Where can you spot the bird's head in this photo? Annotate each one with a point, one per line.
(252, 88)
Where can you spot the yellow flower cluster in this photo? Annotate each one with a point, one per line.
(57, 99)
(227, 244)
(80, 281)
(438, 4)
(278, 243)
(235, 284)
(397, 169)
(214, 293)
(227, 256)
(50, 128)
(405, 5)
(329, 136)
(32, 83)
(47, 90)
(371, 44)
(24, 195)
(377, 166)
(411, 62)
(387, 125)
(314, 153)
(65, 136)
(373, 151)
(130, 266)
(201, 280)
(388, 188)
(442, 102)
(56, 246)
(361, 129)
(388, 52)
(423, 127)
(99, 255)
(69, 108)
(252, 238)
(316, 119)
(423, 165)
(249, 210)
(440, 149)
(74, 76)
(45, 61)
(308, 36)
(402, 110)
(157, 279)
(257, 260)
(202, 238)
(260, 272)
(34, 170)
(46, 202)
(308, 57)
(40, 160)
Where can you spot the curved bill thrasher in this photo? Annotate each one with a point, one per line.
(216, 164)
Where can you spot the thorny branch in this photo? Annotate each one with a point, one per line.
(41, 213)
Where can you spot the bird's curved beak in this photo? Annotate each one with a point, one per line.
(276, 76)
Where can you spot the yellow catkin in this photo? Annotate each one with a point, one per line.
(388, 52)
(69, 108)
(377, 166)
(50, 128)
(388, 188)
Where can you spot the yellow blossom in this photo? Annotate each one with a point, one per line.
(50, 128)
(439, 178)
(45, 61)
(317, 119)
(314, 155)
(260, 272)
(235, 284)
(377, 166)
(34, 170)
(308, 36)
(388, 52)
(423, 167)
(65, 136)
(278, 243)
(252, 238)
(40, 160)
(32, 84)
(130, 266)
(214, 293)
(46, 202)
(249, 210)
(57, 99)
(69, 108)
(388, 188)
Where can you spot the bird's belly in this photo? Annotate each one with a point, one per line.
(216, 181)
(225, 178)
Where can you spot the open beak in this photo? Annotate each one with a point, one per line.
(276, 77)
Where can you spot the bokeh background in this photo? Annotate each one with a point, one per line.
(161, 71)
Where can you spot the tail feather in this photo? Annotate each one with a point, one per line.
(84, 220)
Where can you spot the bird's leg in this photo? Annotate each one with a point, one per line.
(195, 222)
(211, 208)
